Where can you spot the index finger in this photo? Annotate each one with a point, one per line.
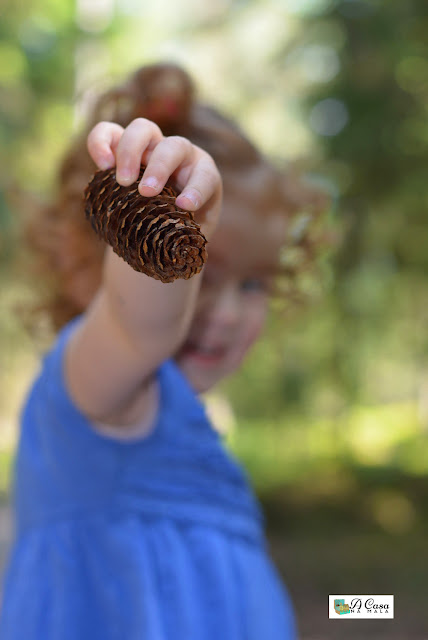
(203, 182)
(102, 142)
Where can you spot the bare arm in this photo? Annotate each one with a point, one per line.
(135, 322)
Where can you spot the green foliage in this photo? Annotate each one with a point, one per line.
(362, 67)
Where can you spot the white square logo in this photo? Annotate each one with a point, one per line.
(356, 607)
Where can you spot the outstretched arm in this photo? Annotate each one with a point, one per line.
(135, 322)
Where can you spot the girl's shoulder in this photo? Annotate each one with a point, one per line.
(64, 463)
(176, 398)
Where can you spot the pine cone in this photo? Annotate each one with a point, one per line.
(151, 234)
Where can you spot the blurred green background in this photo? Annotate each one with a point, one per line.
(330, 412)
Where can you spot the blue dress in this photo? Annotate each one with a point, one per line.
(155, 538)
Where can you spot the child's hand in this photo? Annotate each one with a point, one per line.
(142, 142)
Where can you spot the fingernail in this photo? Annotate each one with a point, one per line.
(123, 174)
(106, 163)
(190, 195)
(150, 182)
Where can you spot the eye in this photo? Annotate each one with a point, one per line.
(254, 284)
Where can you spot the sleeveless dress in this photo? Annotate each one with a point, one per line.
(154, 538)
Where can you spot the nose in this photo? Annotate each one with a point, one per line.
(225, 307)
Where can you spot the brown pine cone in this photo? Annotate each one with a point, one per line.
(151, 234)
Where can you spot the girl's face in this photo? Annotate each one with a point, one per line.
(234, 295)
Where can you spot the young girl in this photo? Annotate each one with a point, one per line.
(132, 519)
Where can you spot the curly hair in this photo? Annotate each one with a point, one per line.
(67, 256)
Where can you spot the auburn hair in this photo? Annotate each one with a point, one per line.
(67, 257)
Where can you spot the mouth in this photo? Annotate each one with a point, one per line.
(203, 354)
